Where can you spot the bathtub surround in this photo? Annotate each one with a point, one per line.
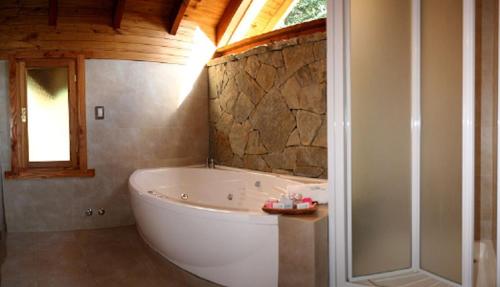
(210, 222)
(268, 107)
(303, 252)
(148, 123)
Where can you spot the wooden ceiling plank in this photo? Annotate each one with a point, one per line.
(278, 15)
(53, 12)
(226, 18)
(176, 16)
(119, 8)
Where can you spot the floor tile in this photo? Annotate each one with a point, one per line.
(89, 258)
(77, 281)
(18, 283)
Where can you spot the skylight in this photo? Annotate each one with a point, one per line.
(303, 11)
(262, 16)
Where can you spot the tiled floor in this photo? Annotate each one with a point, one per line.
(413, 279)
(485, 264)
(90, 258)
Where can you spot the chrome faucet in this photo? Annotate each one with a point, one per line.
(210, 163)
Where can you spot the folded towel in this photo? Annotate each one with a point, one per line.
(317, 191)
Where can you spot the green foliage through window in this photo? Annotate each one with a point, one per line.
(305, 10)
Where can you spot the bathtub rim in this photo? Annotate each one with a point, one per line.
(249, 216)
(185, 209)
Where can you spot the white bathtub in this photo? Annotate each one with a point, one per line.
(209, 221)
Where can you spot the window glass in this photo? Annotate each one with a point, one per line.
(303, 11)
(441, 145)
(263, 16)
(48, 114)
(380, 135)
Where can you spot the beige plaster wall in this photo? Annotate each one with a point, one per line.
(147, 125)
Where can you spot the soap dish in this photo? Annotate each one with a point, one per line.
(292, 211)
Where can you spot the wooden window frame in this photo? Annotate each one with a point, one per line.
(21, 167)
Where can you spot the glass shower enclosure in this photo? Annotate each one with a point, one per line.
(401, 142)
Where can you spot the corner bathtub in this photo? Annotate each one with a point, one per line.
(209, 221)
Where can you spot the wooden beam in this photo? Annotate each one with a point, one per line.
(281, 34)
(119, 8)
(53, 12)
(226, 18)
(174, 21)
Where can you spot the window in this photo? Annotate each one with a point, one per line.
(261, 21)
(48, 132)
(302, 11)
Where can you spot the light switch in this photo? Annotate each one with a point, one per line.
(99, 113)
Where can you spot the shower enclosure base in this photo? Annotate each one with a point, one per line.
(410, 279)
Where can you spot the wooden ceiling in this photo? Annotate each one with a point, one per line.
(148, 30)
(272, 12)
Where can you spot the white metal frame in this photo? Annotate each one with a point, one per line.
(338, 96)
(468, 104)
(415, 131)
(348, 135)
(335, 116)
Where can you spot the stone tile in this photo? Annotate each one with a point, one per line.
(290, 91)
(265, 76)
(274, 121)
(254, 145)
(321, 137)
(252, 66)
(308, 125)
(286, 83)
(255, 162)
(296, 57)
(242, 108)
(238, 137)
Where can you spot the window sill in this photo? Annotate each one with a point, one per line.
(38, 173)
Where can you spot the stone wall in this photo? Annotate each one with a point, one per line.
(268, 108)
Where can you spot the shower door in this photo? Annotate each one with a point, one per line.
(402, 141)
